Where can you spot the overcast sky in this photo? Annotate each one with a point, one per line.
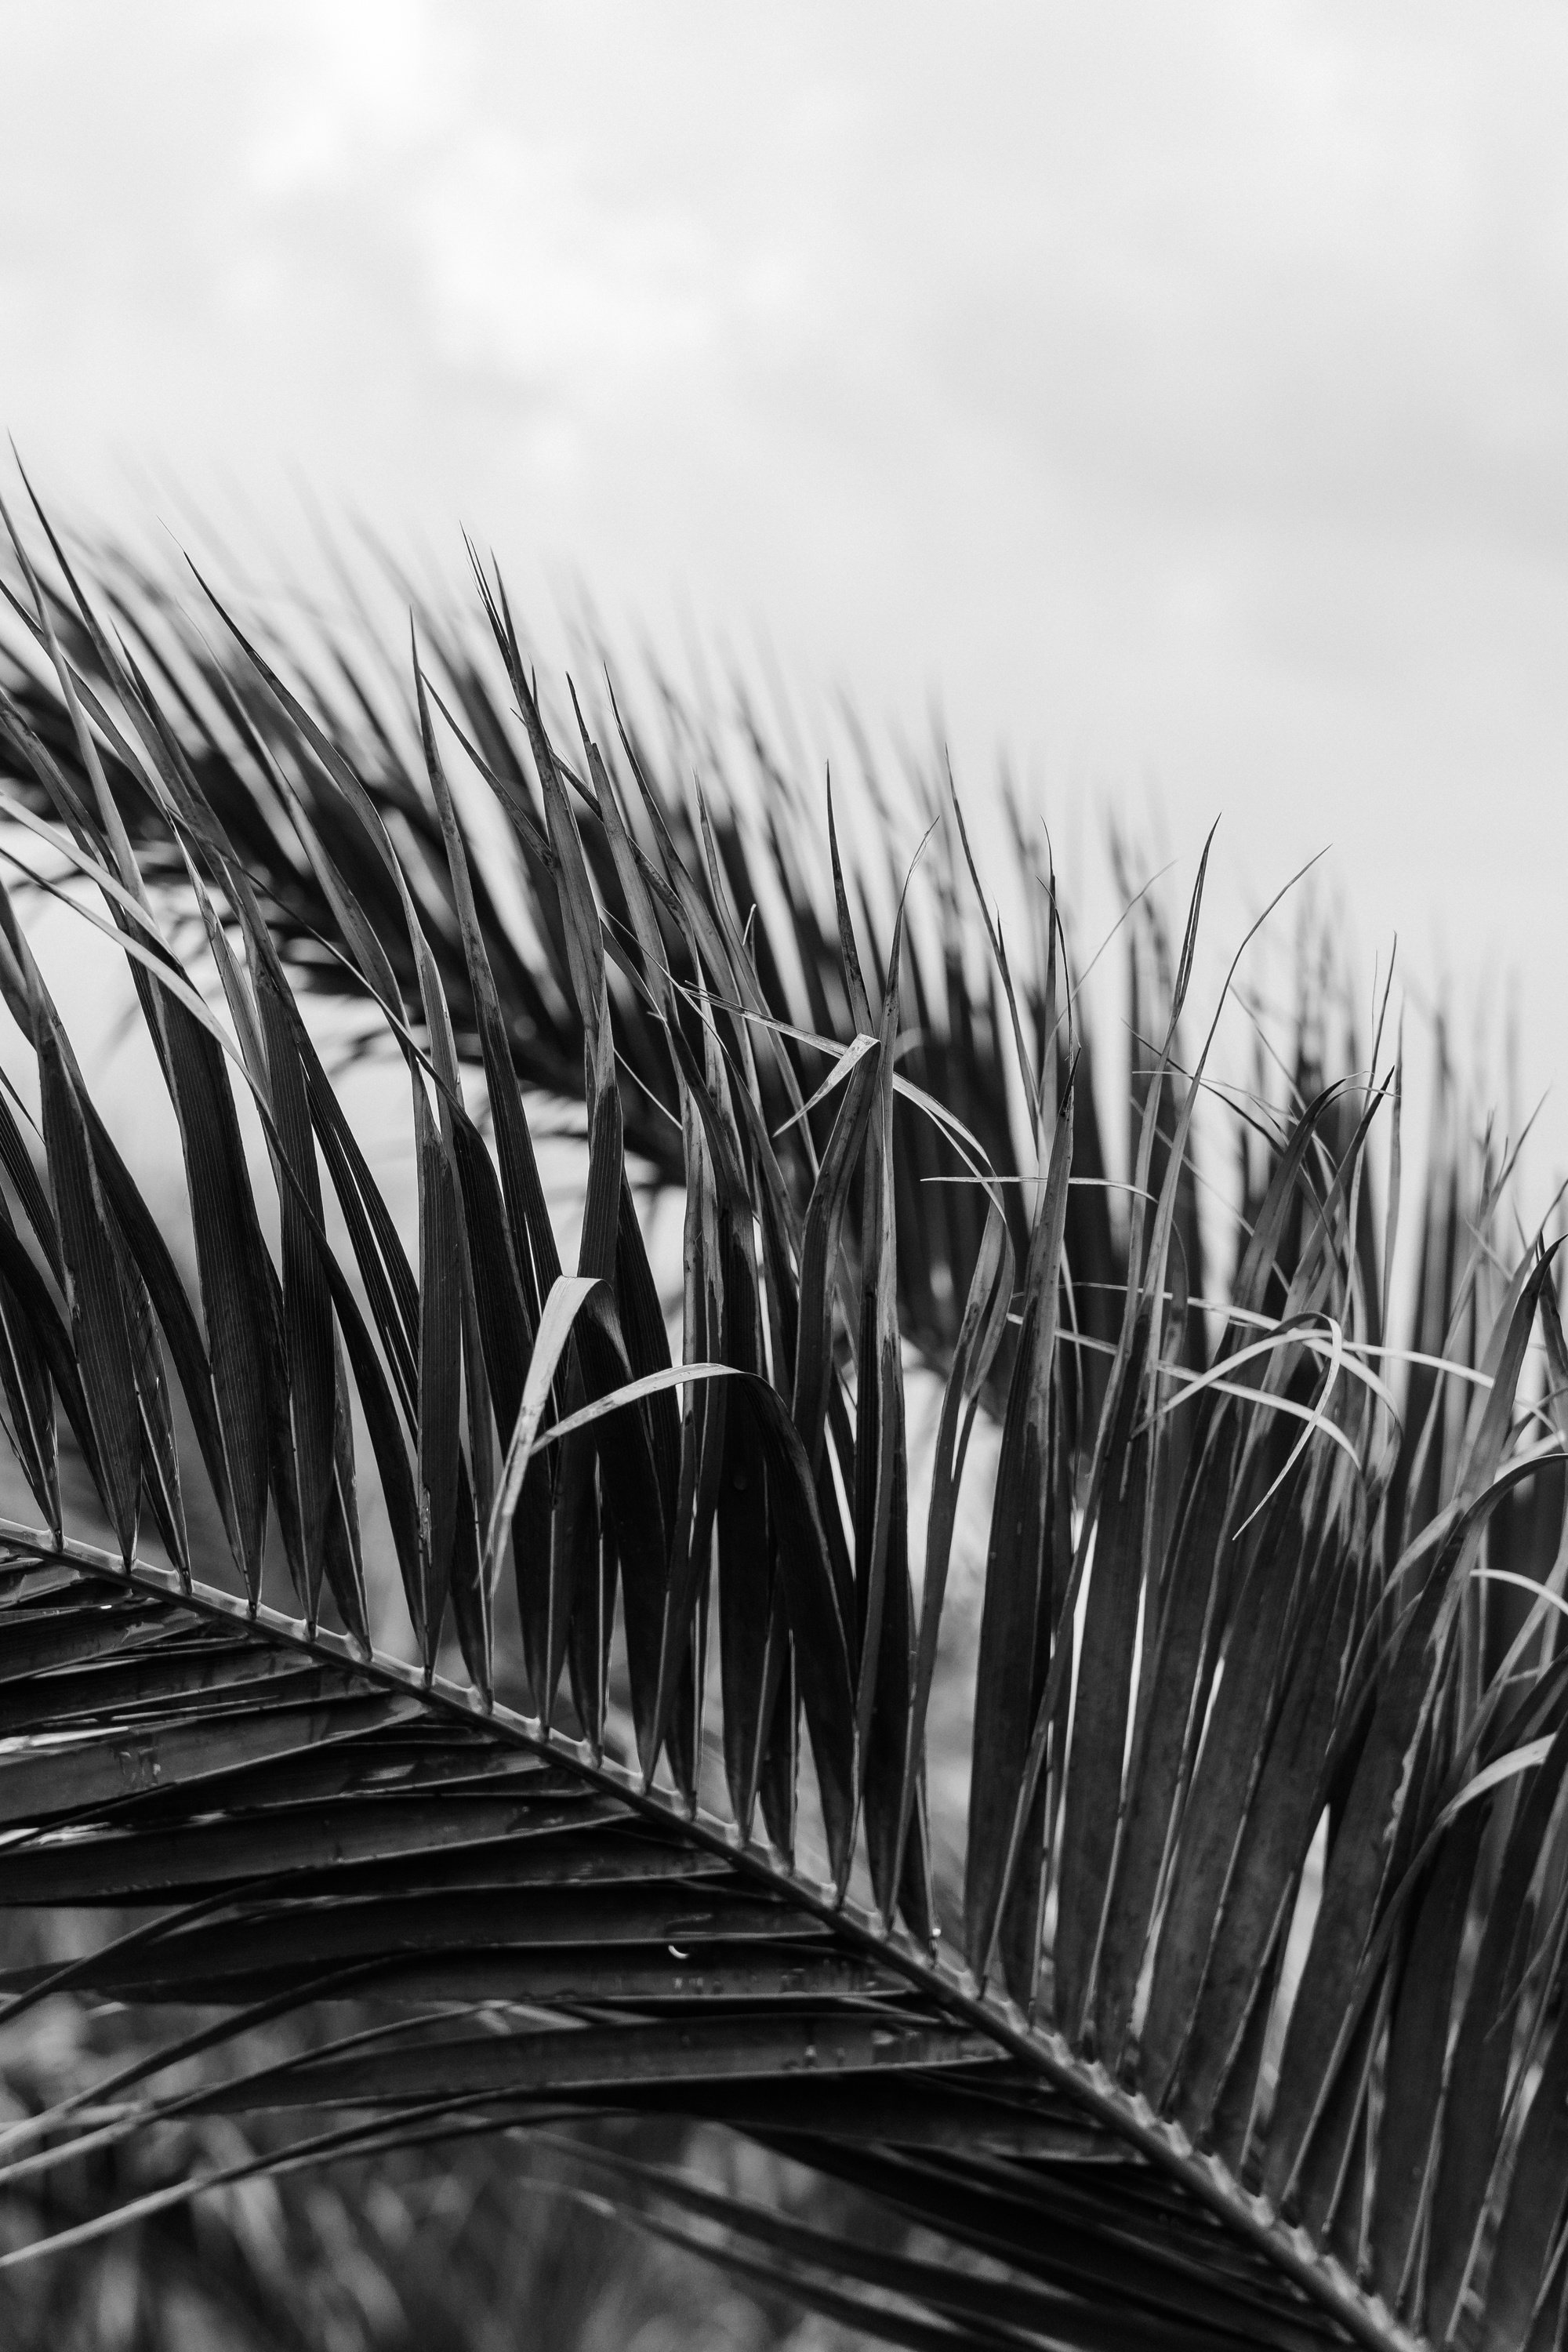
(1176, 394)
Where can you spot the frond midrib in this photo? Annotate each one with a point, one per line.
(943, 1979)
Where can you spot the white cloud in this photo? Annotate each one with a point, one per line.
(350, 84)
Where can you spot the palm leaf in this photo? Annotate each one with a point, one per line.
(1242, 2045)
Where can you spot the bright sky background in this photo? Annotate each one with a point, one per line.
(1176, 395)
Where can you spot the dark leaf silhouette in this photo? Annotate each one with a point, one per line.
(1253, 2033)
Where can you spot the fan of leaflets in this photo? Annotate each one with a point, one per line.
(1247, 2025)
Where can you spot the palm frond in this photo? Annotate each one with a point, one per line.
(1254, 2033)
